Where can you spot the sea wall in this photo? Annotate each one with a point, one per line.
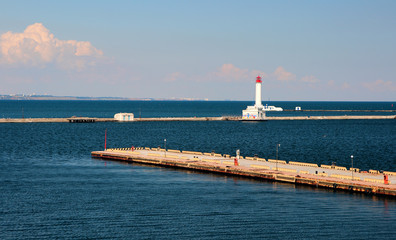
(166, 119)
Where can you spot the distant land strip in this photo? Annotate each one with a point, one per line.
(164, 119)
(73, 98)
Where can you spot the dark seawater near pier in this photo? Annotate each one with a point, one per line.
(51, 187)
(149, 109)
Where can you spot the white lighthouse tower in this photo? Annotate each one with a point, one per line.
(255, 112)
(258, 93)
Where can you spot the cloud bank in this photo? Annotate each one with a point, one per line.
(380, 85)
(174, 77)
(309, 79)
(282, 75)
(230, 73)
(37, 47)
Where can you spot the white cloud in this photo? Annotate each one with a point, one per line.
(310, 79)
(229, 72)
(37, 47)
(380, 86)
(173, 77)
(282, 75)
(345, 86)
(256, 73)
(331, 83)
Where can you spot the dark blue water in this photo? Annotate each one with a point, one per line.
(63, 109)
(51, 188)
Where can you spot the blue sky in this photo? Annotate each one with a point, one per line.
(304, 50)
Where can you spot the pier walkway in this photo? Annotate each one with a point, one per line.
(327, 176)
(168, 119)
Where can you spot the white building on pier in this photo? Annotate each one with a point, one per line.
(123, 116)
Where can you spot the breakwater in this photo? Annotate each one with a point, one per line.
(325, 176)
(335, 110)
(50, 120)
(231, 118)
(345, 117)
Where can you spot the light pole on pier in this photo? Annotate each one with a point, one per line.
(277, 146)
(352, 166)
(165, 146)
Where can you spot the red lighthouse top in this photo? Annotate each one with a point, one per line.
(258, 79)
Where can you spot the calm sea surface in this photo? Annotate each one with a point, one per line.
(51, 187)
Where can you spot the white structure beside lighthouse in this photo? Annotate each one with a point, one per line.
(255, 112)
(123, 117)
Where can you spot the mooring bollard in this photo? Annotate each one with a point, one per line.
(386, 180)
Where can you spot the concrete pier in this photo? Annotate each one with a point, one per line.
(335, 110)
(51, 120)
(345, 117)
(168, 119)
(326, 176)
(81, 120)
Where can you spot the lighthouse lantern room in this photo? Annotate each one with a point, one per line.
(255, 112)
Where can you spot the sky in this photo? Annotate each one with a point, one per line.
(303, 50)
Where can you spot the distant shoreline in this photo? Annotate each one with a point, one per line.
(19, 97)
(73, 98)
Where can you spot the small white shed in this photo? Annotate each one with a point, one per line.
(123, 116)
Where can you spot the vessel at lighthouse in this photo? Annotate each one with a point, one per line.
(255, 112)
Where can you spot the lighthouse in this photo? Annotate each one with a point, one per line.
(256, 112)
(258, 93)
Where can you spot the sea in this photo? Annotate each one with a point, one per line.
(51, 188)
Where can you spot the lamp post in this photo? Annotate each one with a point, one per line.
(352, 166)
(277, 146)
(165, 146)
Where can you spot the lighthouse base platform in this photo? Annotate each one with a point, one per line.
(253, 113)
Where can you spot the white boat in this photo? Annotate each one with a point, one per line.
(272, 108)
